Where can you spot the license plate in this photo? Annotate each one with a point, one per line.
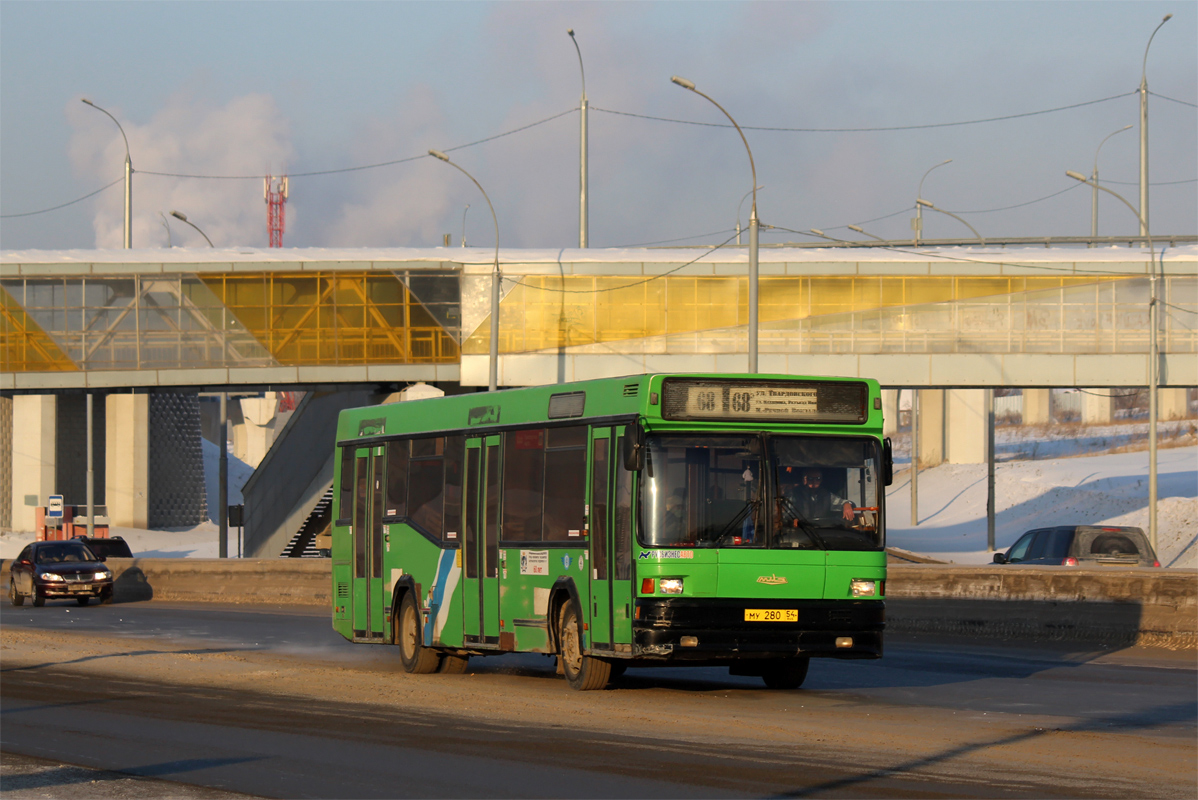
(86, 587)
(771, 615)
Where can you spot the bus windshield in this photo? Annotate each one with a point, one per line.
(785, 492)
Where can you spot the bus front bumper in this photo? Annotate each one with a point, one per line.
(716, 629)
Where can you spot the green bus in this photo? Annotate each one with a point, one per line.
(734, 520)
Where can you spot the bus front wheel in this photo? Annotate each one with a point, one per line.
(416, 658)
(582, 672)
(788, 673)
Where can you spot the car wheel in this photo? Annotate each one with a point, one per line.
(582, 672)
(416, 658)
(15, 597)
(788, 673)
(38, 600)
(454, 665)
(82, 600)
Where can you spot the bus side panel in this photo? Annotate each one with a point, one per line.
(527, 576)
(409, 553)
(341, 603)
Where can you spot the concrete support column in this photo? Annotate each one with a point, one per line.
(127, 459)
(890, 412)
(1037, 406)
(931, 427)
(1098, 406)
(966, 426)
(1173, 403)
(34, 441)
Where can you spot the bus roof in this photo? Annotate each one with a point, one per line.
(620, 399)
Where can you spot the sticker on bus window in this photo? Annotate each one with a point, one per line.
(574, 533)
(534, 562)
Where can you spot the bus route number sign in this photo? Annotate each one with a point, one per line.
(753, 402)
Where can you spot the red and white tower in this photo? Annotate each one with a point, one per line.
(275, 193)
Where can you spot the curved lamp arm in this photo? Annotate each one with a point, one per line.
(685, 84)
(926, 204)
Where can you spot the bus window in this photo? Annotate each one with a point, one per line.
(363, 491)
(376, 520)
(565, 485)
(492, 529)
(827, 492)
(523, 479)
(452, 515)
(346, 500)
(623, 517)
(470, 509)
(397, 478)
(704, 491)
(599, 508)
(426, 475)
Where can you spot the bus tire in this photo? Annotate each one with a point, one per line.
(416, 658)
(454, 665)
(582, 672)
(786, 673)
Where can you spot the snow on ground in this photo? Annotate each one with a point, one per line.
(1110, 488)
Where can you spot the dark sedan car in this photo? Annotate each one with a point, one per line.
(58, 570)
(1082, 545)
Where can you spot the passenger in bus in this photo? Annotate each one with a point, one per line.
(674, 521)
(802, 493)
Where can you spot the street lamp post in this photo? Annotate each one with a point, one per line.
(921, 203)
(1094, 191)
(464, 210)
(753, 225)
(493, 378)
(1143, 214)
(1153, 355)
(583, 211)
(179, 215)
(738, 208)
(917, 223)
(128, 178)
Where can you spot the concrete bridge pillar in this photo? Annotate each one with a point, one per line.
(1098, 406)
(1037, 406)
(127, 459)
(966, 426)
(890, 412)
(1173, 403)
(34, 432)
(931, 427)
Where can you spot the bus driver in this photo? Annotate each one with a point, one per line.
(809, 499)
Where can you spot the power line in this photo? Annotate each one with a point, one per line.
(364, 166)
(679, 239)
(1173, 100)
(64, 205)
(866, 130)
(1021, 205)
(1158, 183)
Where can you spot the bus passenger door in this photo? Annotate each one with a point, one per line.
(368, 543)
(489, 568)
(599, 525)
(471, 603)
(621, 536)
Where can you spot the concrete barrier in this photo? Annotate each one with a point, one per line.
(290, 581)
(1121, 607)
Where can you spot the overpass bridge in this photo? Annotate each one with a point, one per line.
(138, 327)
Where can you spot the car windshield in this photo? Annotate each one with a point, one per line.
(795, 492)
(63, 553)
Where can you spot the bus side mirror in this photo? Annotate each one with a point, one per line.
(634, 447)
(887, 462)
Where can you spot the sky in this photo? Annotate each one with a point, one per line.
(246, 89)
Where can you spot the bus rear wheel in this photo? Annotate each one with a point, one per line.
(582, 672)
(416, 658)
(788, 673)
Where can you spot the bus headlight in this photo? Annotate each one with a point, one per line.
(671, 585)
(860, 587)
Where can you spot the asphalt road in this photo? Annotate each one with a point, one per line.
(932, 718)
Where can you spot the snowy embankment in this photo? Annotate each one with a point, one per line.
(1110, 488)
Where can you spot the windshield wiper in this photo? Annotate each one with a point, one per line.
(802, 523)
(751, 505)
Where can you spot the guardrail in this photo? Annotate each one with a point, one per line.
(1120, 607)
